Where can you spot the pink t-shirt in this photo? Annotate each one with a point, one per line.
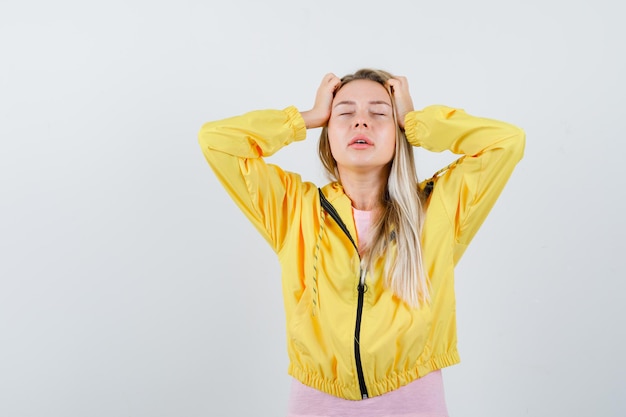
(423, 397)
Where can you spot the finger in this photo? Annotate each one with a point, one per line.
(398, 83)
(329, 78)
(332, 81)
(402, 80)
(394, 85)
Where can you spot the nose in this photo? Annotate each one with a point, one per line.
(361, 121)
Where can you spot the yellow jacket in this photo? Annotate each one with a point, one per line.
(396, 344)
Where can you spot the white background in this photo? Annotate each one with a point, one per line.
(130, 285)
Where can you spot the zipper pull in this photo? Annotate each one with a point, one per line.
(362, 287)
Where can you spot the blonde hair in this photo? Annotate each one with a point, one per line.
(399, 223)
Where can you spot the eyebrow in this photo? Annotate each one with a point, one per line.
(371, 102)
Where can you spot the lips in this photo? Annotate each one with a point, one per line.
(360, 140)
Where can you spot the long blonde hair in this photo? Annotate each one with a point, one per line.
(399, 223)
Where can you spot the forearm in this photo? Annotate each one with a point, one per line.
(439, 128)
(253, 135)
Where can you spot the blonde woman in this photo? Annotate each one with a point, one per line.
(368, 259)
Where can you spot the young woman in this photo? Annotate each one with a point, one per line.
(367, 260)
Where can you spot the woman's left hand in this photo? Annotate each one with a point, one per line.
(404, 104)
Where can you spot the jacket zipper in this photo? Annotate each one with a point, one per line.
(357, 341)
(361, 287)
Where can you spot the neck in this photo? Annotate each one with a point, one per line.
(364, 189)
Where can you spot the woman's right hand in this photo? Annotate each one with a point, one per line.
(320, 113)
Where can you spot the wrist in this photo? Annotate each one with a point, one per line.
(312, 119)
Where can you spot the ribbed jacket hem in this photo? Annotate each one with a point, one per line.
(375, 388)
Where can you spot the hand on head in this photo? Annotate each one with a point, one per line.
(399, 87)
(320, 113)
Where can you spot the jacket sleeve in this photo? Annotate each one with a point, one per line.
(235, 148)
(470, 186)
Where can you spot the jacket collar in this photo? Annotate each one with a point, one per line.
(337, 197)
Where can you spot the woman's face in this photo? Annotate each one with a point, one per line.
(361, 128)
